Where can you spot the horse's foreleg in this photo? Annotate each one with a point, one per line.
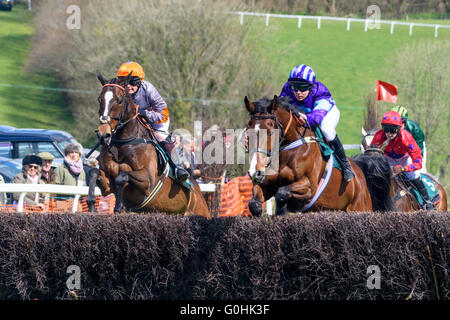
(120, 181)
(299, 190)
(93, 175)
(255, 204)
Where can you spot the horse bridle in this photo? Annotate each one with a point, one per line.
(107, 119)
(279, 125)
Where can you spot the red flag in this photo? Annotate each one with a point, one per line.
(386, 91)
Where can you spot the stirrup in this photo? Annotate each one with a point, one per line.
(181, 174)
(428, 205)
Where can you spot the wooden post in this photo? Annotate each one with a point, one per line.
(375, 108)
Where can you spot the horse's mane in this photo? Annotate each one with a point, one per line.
(378, 176)
(264, 104)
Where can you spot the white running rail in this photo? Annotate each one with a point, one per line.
(348, 20)
(61, 189)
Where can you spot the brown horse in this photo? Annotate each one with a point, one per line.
(400, 191)
(296, 180)
(129, 161)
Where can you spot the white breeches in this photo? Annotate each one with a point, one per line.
(404, 161)
(329, 123)
(424, 160)
(161, 129)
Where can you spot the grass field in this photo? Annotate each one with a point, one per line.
(347, 62)
(26, 107)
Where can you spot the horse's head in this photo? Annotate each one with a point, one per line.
(267, 128)
(367, 140)
(115, 107)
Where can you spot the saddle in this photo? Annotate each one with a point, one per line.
(325, 149)
(163, 157)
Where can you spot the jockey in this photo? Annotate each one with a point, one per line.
(152, 107)
(312, 98)
(413, 128)
(401, 151)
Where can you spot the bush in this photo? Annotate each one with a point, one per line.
(311, 256)
(189, 48)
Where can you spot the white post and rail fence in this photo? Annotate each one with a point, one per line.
(367, 22)
(74, 191)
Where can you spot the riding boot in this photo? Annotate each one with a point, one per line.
(338, 148)
(180, 173)
(420, 186)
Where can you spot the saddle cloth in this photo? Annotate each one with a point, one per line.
(432, 190)
(325, 149)
(163, 158)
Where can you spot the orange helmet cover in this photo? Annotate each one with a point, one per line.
(133, 67)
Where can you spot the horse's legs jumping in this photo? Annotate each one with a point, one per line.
(255, 204)
(281, 197)
(93, 175)
(299, 190)
(120, 181)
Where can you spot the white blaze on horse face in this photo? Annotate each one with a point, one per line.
(254, 161)
(108, 98)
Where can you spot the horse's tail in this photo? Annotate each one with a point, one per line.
(378, 177)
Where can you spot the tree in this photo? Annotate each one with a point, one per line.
(422, 74)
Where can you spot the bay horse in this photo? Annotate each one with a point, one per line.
(129, 160)
(295, 182)
(402, 197)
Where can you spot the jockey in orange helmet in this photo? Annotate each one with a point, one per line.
(401, 151)
(152, 107)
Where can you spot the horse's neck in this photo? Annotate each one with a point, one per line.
(133, 129)
(296, 132)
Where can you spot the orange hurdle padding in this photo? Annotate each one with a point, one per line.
(235, 196)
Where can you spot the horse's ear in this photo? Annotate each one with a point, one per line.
(274, 103)
(128, 77)
(101, 78)
(250, 107)
(364, 133)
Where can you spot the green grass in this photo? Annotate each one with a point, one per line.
(347, 62)
(25, 107)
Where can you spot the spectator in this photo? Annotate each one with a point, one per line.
(31, 166)
(71, 172)
(177, 141)
(47, 172)
(185, 155)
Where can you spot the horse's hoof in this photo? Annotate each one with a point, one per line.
(281, 211)
(255, 207)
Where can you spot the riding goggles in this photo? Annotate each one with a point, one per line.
(300, 86)
(135, 81)
(390, 129)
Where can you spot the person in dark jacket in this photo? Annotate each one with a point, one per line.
(47, 172)
(31, 166)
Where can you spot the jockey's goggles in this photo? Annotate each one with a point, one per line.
(135, 81)
(390, 129)
(296, 86)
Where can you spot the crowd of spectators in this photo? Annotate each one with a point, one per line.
(40, 169)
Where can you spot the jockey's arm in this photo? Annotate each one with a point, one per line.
(415, 154)
(158, 110)
(319, 111)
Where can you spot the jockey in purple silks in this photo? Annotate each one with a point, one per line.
(314, 100)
